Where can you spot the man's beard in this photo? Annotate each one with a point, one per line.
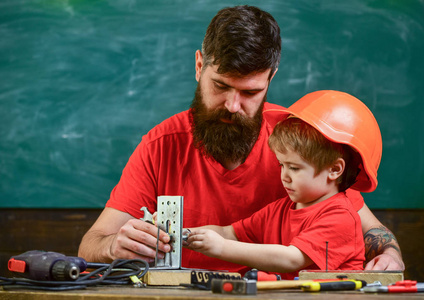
(225, 142)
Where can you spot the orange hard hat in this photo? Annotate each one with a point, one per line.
(344, 119)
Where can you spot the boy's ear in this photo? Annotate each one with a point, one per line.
(337, 169)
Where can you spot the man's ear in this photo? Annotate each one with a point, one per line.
(275, 72)
(199, 64)
(337, 169)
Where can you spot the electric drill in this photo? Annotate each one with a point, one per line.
(42, 265)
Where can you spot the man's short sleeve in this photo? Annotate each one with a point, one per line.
(355, 198)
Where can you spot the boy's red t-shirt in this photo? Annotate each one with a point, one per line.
(333, 220)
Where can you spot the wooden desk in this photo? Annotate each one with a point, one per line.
(128, 293)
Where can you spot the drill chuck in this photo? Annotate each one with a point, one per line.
(65, 270)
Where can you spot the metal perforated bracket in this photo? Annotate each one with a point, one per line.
(170, 219)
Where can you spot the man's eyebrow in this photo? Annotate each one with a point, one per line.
(221, 82)
(229, 86)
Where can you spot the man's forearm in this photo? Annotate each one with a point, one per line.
(95, 247)
(379, 240)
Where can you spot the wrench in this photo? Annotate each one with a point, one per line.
(148, 217)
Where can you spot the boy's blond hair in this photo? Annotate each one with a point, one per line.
(296, 135)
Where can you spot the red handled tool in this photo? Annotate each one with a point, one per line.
(261, 276)
(406, 286)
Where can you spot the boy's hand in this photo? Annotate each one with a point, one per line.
(206, 241)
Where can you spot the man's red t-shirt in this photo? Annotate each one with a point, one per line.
(167, 163)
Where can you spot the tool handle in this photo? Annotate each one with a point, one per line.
(254, 274)
(281, 284)
(334, 286)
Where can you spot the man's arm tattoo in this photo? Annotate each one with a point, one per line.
(377, 240)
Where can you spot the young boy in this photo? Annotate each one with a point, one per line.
(328, 142)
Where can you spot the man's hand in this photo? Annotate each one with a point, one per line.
(117, 234)
(137, 239)
(385, 262)
(206, 241)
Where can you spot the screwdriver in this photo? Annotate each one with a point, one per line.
(341, 285)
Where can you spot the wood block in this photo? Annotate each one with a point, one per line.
(385, 277)
(167, 277)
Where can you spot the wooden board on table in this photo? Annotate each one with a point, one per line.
(385, 277)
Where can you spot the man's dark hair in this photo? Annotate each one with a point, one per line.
(242, 40)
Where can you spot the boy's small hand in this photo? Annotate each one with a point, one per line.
(205, 241)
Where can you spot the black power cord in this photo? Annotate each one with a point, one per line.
(119, 272)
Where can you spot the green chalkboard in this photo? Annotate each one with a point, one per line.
(82, 81)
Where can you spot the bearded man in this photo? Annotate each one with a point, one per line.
(216, 154)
